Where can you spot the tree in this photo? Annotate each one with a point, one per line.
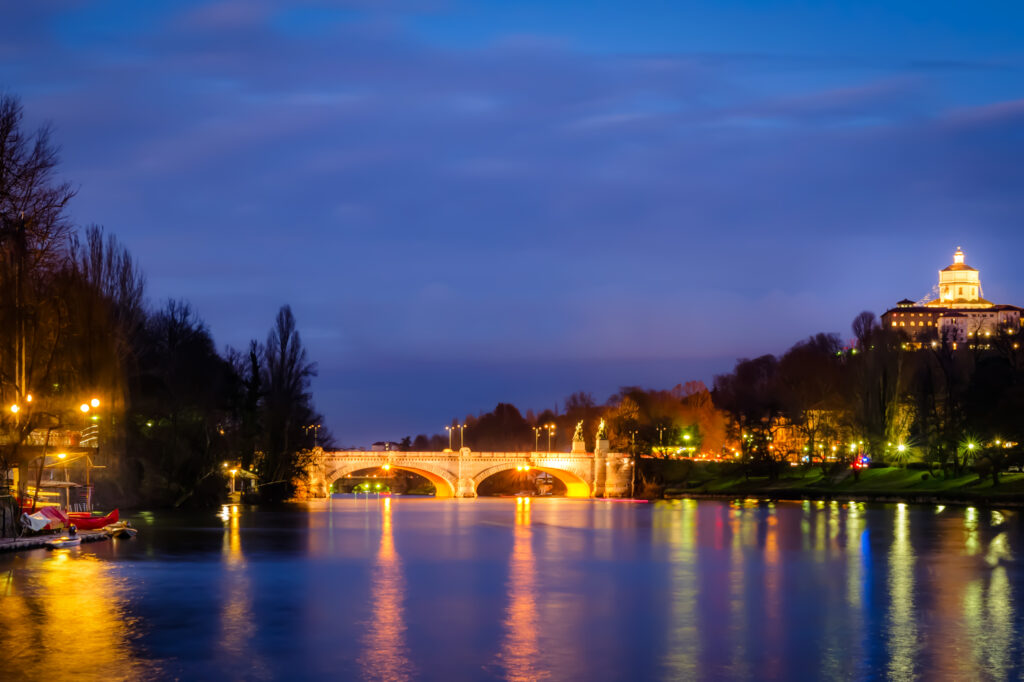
(811, 391)
(880, 406)
(34, 318)
(287, 404)
(181, 397)
(750, 395)
(502, 429)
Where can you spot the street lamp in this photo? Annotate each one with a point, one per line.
(661, 439)
(536, 437)
(632, 479)
(551, 430)
(449, 430)
(315, 428)
(462, 429)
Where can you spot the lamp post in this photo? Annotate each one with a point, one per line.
(632, 478)
(661, 436)
(536, 437)
(462, 430)
(551, 430)
(315, 428)
(449, 430)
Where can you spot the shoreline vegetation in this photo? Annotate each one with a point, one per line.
(682, 479)
(126, 397)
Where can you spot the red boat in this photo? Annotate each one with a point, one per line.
(86, 521)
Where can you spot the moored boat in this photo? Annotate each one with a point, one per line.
(86, 521)
(64, 541)
(122, 529)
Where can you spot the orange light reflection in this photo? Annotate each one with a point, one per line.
(385, 656)
(520, 649)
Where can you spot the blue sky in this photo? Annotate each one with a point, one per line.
(473, 202)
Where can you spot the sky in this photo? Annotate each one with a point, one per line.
(473, 202)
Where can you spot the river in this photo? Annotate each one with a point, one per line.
(527, 589)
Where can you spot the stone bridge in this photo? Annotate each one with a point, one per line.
(458, 474)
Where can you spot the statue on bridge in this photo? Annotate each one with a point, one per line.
(578, 435)
(602, 431)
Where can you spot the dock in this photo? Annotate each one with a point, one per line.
(39, 541)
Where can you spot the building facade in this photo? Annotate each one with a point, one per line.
(959, 315)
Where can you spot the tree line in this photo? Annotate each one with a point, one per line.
(75, 326)
(883, 397)
(637, 420)
(880, 398)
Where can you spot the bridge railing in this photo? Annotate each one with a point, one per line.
(384, 454)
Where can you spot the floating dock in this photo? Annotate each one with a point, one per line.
(39, 541)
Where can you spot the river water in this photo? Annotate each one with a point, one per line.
(529, 589)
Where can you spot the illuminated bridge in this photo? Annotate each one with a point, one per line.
(459, 473)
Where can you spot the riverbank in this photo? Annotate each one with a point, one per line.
(887, 484)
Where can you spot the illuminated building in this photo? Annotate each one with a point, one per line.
(958, 315)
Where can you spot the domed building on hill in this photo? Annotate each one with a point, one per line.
(958, 315)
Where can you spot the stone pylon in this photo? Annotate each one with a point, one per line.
(601, 450)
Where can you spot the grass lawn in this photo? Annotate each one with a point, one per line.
(888, 481)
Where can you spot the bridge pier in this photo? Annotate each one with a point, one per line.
(466, 487)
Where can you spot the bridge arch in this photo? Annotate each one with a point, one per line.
(575, 485)
(444, 484)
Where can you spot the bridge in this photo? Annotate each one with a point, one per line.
(460, 473)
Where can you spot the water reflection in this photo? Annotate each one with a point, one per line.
(902, 624)
(237, 620)
(737, 597)
(988, 599)
(64, 613)
(519, 649)
(528, 589)
(384, 654)
(678, 529)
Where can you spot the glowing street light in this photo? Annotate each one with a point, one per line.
(95, 402)
(551, 430)
(449, 430)
(462, 430)
(84, 407)
(14, 409)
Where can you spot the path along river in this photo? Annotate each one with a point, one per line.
(406, 588)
